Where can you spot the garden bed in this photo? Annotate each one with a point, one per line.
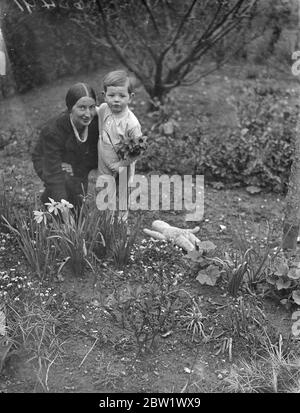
(149, 325)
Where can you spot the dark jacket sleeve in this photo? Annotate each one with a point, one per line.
(37, 159)
(53, 175)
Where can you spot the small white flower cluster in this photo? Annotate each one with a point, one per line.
(4, 238)
(12, 285)
(53, 207)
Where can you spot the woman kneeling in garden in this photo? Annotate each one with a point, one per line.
(67, 148)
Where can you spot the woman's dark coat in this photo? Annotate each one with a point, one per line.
(57, 143)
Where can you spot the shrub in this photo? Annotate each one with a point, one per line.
(256, 152)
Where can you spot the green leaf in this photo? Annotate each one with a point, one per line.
(271, 280)
(281, 267)
(296, 315)
(207, 246)
(296, 296)
(294, 273)
(209, 276)
(296, 328)
(283, 284)
(195, 256)
(2, 324)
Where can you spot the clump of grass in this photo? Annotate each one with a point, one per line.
(74, 233)
(36, 329)
(249, 263)
(243, 326)
(121, 243)
(194, 318)
(34, 242)
(7, 199)
(256, 251)
(235, 268)
(275, 372)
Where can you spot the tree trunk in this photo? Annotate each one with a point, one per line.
(292, 209)
(157, 95)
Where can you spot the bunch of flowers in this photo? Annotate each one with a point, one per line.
(53, 207)
(131, 146)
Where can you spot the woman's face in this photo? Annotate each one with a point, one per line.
(83, 112)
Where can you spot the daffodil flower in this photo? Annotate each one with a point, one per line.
(40, 216)
(53, 206)
(66, 204)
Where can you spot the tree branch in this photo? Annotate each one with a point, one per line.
(180, 27)
(145, 3)
(202, 46)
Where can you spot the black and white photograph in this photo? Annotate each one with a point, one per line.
(149, 199)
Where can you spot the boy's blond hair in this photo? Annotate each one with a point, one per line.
(118, 78)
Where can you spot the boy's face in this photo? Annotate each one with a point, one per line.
(117, 98)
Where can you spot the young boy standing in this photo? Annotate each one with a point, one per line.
(116, 121)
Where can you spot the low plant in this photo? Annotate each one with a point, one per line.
(7, 200)
(34, 242)
(258, 250)
(235, 267)
(121, 243)
(36, 328)
(204, 263)
(248, 264)
(243, 323)
(273, 372)
(194, 319)
(74, 233)
(284, 279)
(146, 309)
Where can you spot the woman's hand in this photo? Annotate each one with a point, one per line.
(66, 167)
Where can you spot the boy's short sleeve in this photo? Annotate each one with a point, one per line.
(134, 126)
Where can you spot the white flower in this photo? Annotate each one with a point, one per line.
(66, 204)
(39, 216)
(53, 206)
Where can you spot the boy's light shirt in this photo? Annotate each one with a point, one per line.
(116, 127)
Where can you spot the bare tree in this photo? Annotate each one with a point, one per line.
(167, 43)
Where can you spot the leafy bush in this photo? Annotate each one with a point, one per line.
(284, 279)
(256, 152)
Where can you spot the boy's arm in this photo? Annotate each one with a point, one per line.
(118, 166)
(110, 158)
